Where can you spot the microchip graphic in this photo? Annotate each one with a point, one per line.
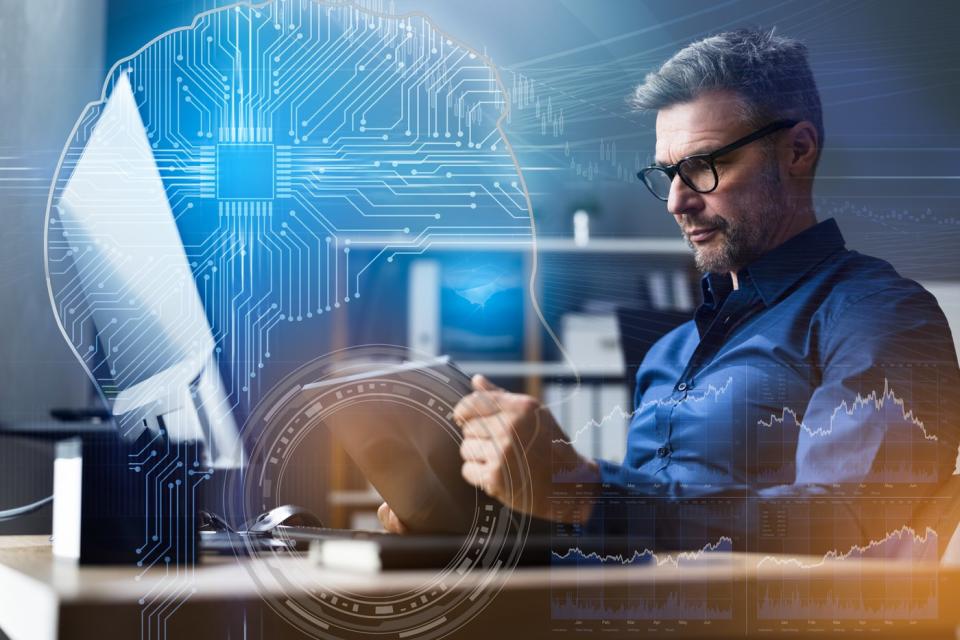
(245, 171)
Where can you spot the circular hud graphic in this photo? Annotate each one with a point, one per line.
(323, 393)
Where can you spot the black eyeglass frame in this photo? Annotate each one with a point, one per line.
(672, 170)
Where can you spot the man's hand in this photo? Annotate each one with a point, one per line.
(389, 519)
(500, 431)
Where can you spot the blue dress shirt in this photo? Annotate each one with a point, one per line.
(810, 408)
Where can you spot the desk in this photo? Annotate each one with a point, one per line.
(46, 598)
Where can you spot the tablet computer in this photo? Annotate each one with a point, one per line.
(395, 420)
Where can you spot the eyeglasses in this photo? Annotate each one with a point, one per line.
(699, 172)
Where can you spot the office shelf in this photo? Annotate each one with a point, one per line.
(550, 244)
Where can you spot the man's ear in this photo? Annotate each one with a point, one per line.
(804, 146)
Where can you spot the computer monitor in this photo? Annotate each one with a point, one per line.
(134, 277)
(469, 306)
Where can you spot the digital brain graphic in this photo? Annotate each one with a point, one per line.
(286, 134)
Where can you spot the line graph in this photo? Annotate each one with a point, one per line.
(902, 543)
(577, 556)
(644, 600)
(844, 584)
(875, 400)
(618, 413)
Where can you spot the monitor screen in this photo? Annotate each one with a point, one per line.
(136, 287)
(482, 306)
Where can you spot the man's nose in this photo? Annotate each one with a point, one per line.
(682, 199)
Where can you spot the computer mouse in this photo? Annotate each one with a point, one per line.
(289, 515)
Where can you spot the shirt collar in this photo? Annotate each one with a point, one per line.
(715, 287)
(782, 267)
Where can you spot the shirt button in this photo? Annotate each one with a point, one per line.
(662, 452)
(682, 386)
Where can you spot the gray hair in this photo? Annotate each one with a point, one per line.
(769, 73)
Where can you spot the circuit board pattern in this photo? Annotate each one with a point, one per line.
(287, 133)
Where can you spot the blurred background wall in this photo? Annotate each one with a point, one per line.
(51, 65)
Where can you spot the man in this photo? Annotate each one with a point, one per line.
(811, 380)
